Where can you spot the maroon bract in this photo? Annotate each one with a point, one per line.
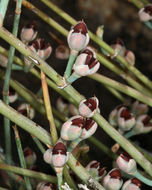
(42, 48)
(145, 13)
(143, 124)
(88, 107)
(29, 32)
(126, 163)
(78, 37)
(113, 180)
(72, 128)
(132, 184)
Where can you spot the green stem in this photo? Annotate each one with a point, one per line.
(3, 8)
(149, 24)
(60, 180)
(28, 173)
(116, 93)
(102, 147)
(142, 178)
(39, 144)
(129, 134)
(7, 80)
(70, 63)
(21, 157)
(73, 144)
(122, 88)
(137, 3)
(68, 178)
(101, 43)
(73, 78)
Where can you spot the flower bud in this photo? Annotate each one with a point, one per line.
(86, 64)
(88, 107)
(113, 181)
(95, 171)
(119, 47)
(72, 128)
(90, 51)
(129, 57)
(126, 163)
(59, 155)
(73, 110)
(29, 32)
(132, 184)
(145, 14)
(78, 37)
(30, 156)
(88, 128)
(139, 108)
(143, 124)
(42, 48)
(26, 110)
(12, 97)
(48, 156)
(3, 60)
(62, 105)
(62, 52)
(46, 186)
(125, 119)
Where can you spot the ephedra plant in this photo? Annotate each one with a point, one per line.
(76, 118)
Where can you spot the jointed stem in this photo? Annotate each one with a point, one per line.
(7, 80)
(21, 156)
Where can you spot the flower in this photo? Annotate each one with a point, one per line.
(26, 110)
(86, 64)
(30, 156)
(95, 171)
(42, 48)
(143, 124)
(139, 108)
(145, 13)
(45, 186)
(62, 52)
(78, 37)
(88, 129)
(118, 47)
(62, 105)
(29, 32)
(3, 60)
(113, 180)
(126, 163)
(72, 128)
(88, 107)
(129, 57)
(132, 184)
(12, 97)
(57, 156)
(125, 119)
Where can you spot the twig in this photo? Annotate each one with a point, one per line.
(48, 108)
(3, 8)
(7, 80)
(29, 173)
(21, 156)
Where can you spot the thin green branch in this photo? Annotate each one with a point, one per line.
(100, 42)
(29, 173)
(21, 156)
(3, 8)
(116, 93)
(122, 88)
(7, 80)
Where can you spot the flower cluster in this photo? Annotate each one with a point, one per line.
(135, 119)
